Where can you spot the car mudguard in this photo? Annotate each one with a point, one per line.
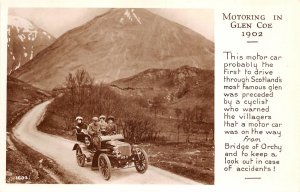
(83, 147)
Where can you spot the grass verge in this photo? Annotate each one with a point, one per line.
(25, 165)
(194, 160)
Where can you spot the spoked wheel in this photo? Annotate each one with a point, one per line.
(141, 161)
(104, 166)
(80, 157)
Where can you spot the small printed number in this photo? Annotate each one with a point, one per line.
(22, 177)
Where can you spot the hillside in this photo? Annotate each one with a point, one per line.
(21, 97)
(118, 44)
(25, 40)
(167, 81)
(181, 88)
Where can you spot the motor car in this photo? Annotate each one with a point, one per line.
(114, 153)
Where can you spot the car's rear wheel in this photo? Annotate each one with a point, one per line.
(104, 166)
(141, 161)
(80, 157)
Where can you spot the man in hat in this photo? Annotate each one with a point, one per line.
(94, 131)
(111, 126)
(79, 126)
(102, 123)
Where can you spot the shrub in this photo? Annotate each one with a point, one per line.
(81, 96)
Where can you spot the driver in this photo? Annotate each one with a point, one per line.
(102, 123)
(111, 126)
(94, 132)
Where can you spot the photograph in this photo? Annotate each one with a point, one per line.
(110, 96)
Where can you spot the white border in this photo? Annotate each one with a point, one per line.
(216, 5)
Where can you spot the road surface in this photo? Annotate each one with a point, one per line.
(60, 150)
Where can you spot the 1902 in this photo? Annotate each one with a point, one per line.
(22, 177)
(252, 34)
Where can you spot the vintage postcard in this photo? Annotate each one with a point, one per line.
(173, 95)
(118, 94)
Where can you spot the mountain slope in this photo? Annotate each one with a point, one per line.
(183, 87)
(118, 44)
(25, 40)
(172, 83)
(21, 97)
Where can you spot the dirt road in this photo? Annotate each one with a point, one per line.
(60, 150)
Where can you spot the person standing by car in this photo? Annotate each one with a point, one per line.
(94, 131)
(102, 123)
(79, 126)
(111, 126)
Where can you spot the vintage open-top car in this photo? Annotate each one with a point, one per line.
(114, 153)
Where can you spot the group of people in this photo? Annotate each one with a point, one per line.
(98, 126)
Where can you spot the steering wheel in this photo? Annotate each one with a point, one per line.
(104, 132)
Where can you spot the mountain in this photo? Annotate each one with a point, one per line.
(182, 87)
(25, 40)
(118, 44)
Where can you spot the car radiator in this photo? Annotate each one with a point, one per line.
(123, 148)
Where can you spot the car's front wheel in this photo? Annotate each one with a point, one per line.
(80, 157)
(141, 161)
(104, 166)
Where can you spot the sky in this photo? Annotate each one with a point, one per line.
(57, 21)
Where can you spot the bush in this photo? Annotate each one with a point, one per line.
(137, 127)
(183, 90)
(85, 98)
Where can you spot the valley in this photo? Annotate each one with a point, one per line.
(155, 76)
